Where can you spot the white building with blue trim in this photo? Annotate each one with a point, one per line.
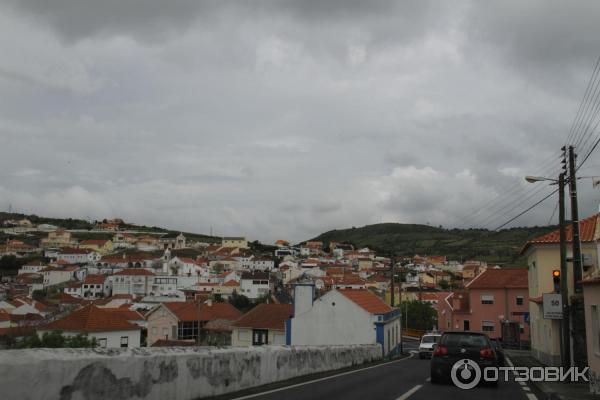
(342, 317)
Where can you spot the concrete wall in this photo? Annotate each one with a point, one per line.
(163, 373)
(243, 337)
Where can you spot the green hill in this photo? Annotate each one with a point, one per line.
(499, 247)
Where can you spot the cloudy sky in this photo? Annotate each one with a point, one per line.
(283, 119)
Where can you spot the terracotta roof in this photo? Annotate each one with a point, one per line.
(135, 271)
(183, 310)
(94, 279)
(500, 279)
(367, 300)
(219, 311)
(93, 242)
(231, 282)
(587, 233)
(91, 319)
(591, 281)
(350, 280)
(128, 314)
(266, 316)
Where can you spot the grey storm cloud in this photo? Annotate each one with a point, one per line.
(283, 119)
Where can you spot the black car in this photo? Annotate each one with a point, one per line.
(457, 346)
(497, 346)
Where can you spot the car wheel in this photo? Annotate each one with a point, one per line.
(420, 356)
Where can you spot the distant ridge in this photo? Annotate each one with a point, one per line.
(500, 247)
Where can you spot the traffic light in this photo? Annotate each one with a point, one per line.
(556, 280)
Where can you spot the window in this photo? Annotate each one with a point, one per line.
(487, 326)
(521, 328)
(154, 330)
(165, 332)
(124, 341)
(487, 299)
(188, 330)
(260, 337)
(102, 342)
(595, 328)
(519, 300)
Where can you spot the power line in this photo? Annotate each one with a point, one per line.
(526, 211)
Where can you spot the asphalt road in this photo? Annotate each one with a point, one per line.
(396, 380)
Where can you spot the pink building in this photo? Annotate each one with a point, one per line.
(496, 302)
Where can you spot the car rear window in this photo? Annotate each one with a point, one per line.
(464, 341)
(430, 339)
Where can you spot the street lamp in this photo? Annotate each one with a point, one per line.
(565, 323)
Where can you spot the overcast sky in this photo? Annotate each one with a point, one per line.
(284, 119)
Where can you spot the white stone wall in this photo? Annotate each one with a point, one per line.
(163, 373)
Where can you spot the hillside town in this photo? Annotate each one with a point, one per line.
(165, 289)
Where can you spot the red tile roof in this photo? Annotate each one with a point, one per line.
(231, 282)
(367, 300)
(135, 271)
(93, 242)
(500, 278)
(94, 279)
(587, 233)
(266, 316)
(183, 310)
(219, 311)
(91, 319)
(128, 314)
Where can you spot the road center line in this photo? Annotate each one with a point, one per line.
(320, 379)
(409, 393)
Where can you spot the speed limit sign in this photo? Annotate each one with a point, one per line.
(552, 306)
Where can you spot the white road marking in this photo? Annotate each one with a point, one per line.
(428, 379)
(526, 389)
(409, 393)
(319, 379)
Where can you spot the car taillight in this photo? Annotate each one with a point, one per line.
(486, 352)
(440, 350)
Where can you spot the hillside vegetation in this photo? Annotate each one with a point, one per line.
(501, 247)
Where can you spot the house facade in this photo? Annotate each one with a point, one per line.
(109, 329)
(495, 302)
(342, 317)
(543, 256)
(264, 324)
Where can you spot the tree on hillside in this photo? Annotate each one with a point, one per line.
(418, 315)
(239, 301)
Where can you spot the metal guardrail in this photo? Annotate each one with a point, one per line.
(416, 333)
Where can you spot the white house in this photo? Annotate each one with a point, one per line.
(95, 286)
(342, 317)
(110, 329)
(54, 276)
(78, 256)
(263, 264)
(32, 268)
(255, 284)
(264, 324)
(135, 281)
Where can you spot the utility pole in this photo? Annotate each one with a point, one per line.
(576, 306)
(564, 284)
(392, 267)
(577, 272)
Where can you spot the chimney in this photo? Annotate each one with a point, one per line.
(304, 295)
